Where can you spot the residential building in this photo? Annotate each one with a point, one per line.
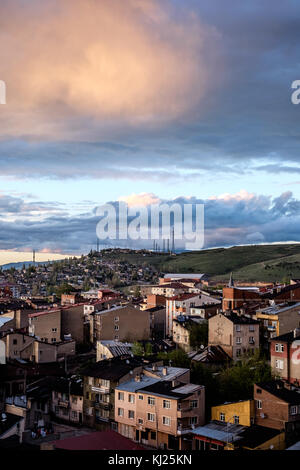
(278, 319)
(236, 334)
(285, 356)
(46, 325)
(117, 323)
(108, 349)
(67, 400)
(277, 406)
(159, 412)
(241, 412)
(181, 331)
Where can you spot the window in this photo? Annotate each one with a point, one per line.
(74, 414)
(251, 339)
(294, 410)
(131, 398)
(74, 400)
(193, 420)
(116, 337)
(53, 340)
(259, 404)
(236, 419)
(15, 341)
(238, 352)
(251, 328)
(166, 404)
(54, 329)
(117, 318)
(121, 396)
(151, 417)
(222, 416)
(166, 421)
(237, 327)
(279, 364)
(116, 327)
(258, 390)
(140, 421)
(279, 347)
(153, 435)
(151, 401)
(120, 412)
(130, 414)
(238, 340)
(194, 403)
(141, 397)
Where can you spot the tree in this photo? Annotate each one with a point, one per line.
(199, 335)
(177, 358)
(137, 349)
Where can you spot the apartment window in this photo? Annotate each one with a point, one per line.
(54, 329)
(53, 340)
(279, 347)
(251, 328)
(141, 397)
(238, 352)
(116, 337)
(151, 417)
(259, 404)
(120, 412)
(131, 398)
(279, 364)
(238, 340)
(74, 414)
(121, 396)
(294, 410)
(151, 401)
(153, 435)
(236, 419)
(194, 403)
(237, 327)
(140, 421)
(193, 420)
(222, 416)
(15, 341)
(116, 327)
(166, 404)
(130, 414)
(166, 421)
(251, 339)
(117, 318)
(74, 400)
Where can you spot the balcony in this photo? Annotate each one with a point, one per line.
(101, 389)
(63, 403)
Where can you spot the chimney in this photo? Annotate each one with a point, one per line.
(18, 319)
(137, 378)
(154, 368)
(165, 371)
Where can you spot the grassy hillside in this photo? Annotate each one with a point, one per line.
(256, 262)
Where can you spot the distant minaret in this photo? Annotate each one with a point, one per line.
(98, 245)
(173, 241)
(33, 257)
(231, 281)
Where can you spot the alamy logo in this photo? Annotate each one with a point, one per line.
(2, 92)
(183, 223)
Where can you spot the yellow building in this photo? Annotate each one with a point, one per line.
(240, 412)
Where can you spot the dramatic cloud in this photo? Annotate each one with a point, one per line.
(241, 218)
(134, 62)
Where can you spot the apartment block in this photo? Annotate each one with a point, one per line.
(285, 356)
(159, 413)
(241, 412)
(46, 325)
(236, 334)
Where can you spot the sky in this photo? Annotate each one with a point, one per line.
(144, 101)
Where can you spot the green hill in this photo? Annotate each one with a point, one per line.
(252, 262)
